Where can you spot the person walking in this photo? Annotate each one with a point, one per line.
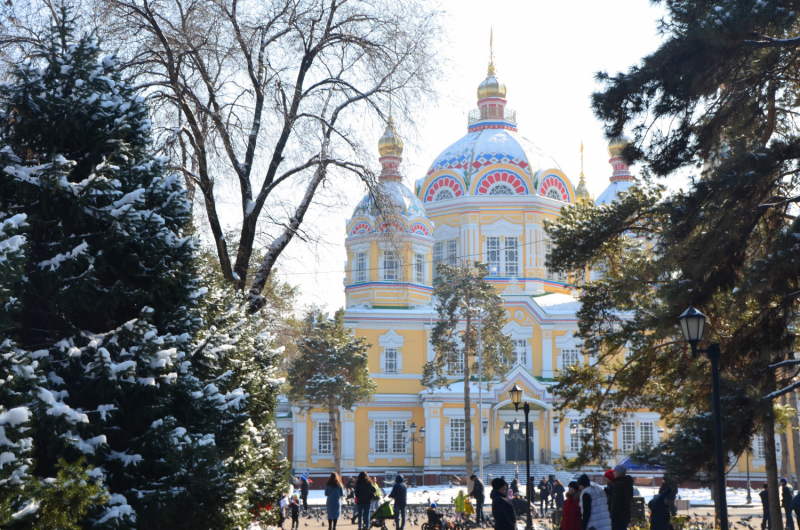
(558, 494)
(659, 509)
(365, 492)
(334, 492)
(505, 518)
(514, 486)
(378, 498)
(795, 506)
(478, 494)
(594, 508)
(400, 495)
(544, 494)
(304, 492)
(765, 523)
(571, 517)
(786, 503)
(621, 498)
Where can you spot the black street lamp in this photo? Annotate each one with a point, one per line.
(692, 324)
(414, 440)
(516, 399)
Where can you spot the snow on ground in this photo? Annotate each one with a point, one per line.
(445, 495)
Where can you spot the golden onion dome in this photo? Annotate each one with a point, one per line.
(491, 87)
(617, 145)
(582, 193)
(390, 143)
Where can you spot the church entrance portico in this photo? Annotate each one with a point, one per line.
(512, 446)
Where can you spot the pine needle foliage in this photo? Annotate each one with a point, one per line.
(456, 346)
(331, 371)
(719, 97)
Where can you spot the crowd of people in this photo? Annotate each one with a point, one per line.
(584, 505)
(790, 504)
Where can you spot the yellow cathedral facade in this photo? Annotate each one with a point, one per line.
(485, 197)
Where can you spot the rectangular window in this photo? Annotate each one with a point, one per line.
(520, 351)
(628, 437)
(381, 436)
(438, 256)
(419, 267)
(391, 265)
(390, 360)
(452, 252)
(646, 434)
(575, 432)
(493, 255)
(569, 357)
(361, 267)
(458, 440)
(324, 443)
(457, 366)
(548, 249)
(512, 256)
(398, 438)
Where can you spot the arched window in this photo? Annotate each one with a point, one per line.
(553, 193)
(443, 194)
(501, 189)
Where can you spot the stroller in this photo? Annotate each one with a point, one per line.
(379, 516)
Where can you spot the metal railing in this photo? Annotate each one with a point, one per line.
(549, 457)
(493, 113)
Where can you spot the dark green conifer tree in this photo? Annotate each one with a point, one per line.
(719, 98)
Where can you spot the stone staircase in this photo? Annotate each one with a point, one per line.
(511, 471)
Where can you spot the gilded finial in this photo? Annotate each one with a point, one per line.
(491, 52)
(581, 160)
(581, 192)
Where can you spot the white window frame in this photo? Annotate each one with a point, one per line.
(390, 356)
(360, 266)
(511, 256)
(445, 251)
(576, 430)
(458, 434)
(324, 438)
(382, 437)
(646, 433)
(520, 346)
(398, 438)
(391, 272)
(391, 340)
(548, 273)
(494, 255)
(502, 257)
(419, 267)
(628, 437)
(571, 356)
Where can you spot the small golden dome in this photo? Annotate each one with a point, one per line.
(617, 145)
(582, 193)
(390, 143)
(491, 87)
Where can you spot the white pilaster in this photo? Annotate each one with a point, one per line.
(555, 438)
(299, 429)
(547, 352)
(433, 433)
(348, 437)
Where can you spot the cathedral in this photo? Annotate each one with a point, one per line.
(485, 197)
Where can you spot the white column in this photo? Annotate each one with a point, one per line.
(348, 437)
(470, 242)
(485, 438)
(547, 352)
(433, 433)
(533, 255)
(555, 439)
(299, 427)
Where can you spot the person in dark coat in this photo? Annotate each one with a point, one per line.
(505, 518)
(786, 503)
(621, 498)
(558, 494)
(365, 492)
(514, 486)
(294, 508)
(571, 518)
(400, 495)
(765, 524)
(545, 488)
(304, 492)
(795, 506)
(659, 509)
(478, 494)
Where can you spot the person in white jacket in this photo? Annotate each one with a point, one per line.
(594, 506)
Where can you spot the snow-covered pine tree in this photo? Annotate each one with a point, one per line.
(107, 300)
(236, 357)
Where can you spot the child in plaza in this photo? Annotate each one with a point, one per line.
(295, 511)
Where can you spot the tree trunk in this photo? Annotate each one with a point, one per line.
(795, 436)
(467, 404)
(771, 463)
(786, 469)
(337, 453)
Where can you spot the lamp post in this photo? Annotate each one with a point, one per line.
(413, 440)
(692, 324)
(516, 399)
